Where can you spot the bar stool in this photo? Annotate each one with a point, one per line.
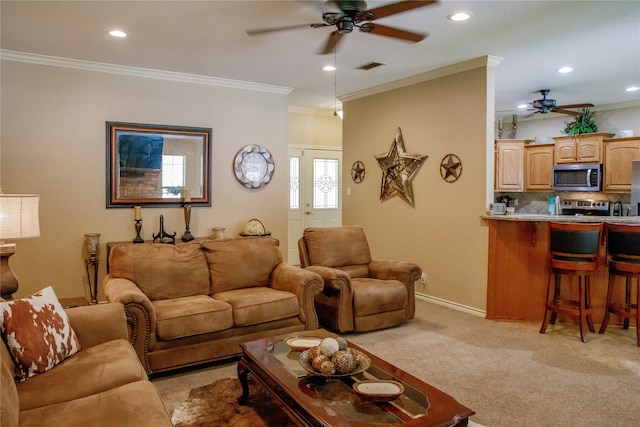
(623, 257)
(573, 252)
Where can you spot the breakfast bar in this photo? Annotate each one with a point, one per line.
(517, 265)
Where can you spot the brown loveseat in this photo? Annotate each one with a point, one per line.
(103, 384)
(196, 302)
(360, 294)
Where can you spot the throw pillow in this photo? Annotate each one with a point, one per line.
(38, 333)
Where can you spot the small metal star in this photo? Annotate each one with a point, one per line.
(451, 168)
(398, 169)
(357, 172)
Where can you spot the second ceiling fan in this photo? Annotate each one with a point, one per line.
(354, 14)
(546, 105)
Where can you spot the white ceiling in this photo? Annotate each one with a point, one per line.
(599, 39)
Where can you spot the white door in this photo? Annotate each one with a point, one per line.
(315, 196)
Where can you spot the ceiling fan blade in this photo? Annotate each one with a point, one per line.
(286, 27)
(563, 111)
(332, 43)
(383, 30)
(392, 9)
(576, 106)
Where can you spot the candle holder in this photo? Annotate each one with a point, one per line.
(91, 260)
(187, 237)
(138, 226)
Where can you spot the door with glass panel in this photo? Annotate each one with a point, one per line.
(315, 196)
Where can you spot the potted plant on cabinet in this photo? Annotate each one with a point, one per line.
(582, 123)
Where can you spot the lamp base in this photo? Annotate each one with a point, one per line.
(8, 280)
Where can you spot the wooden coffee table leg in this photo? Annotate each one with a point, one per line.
(243, 373)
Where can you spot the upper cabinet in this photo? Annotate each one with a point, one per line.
(509, 164)
(584, 148)
(618, 155)
(538, 167)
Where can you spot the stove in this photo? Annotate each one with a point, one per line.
(579, 207)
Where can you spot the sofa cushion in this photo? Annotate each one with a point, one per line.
(259, 305)
(337, 246)
(90, 371)
(186, 316)
(135, 404)
(372, 296)
(162, 271)
(241, 262)
(9, 405)
(37, 332)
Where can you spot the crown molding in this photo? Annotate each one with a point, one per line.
(101, 67)
(484, 61)
(311, 111)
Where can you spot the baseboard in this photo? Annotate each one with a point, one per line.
(450, 304)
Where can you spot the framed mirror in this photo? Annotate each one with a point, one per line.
(150, 165)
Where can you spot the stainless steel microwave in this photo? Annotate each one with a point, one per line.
(577, 177)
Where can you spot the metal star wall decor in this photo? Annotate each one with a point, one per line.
(398, 170)
(451, 168)
(357, 172)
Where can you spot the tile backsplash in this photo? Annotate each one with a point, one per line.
(536, 203)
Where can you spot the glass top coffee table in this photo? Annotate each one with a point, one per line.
(313, 400)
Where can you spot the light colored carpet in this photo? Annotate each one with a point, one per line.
(507, 372)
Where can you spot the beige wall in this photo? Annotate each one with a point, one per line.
(310, 129)
(53, 144)
(443, 233)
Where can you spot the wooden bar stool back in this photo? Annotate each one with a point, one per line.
(573, 252)
(623, 257)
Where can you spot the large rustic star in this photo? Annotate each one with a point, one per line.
(398, 169)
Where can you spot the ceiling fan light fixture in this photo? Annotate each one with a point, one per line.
(564, 70)
(459, 16)
(345, 25)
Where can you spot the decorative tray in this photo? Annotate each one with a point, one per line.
(303, 343)
(379, 390)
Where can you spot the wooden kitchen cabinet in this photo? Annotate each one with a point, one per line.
(584, 148)
(538, 167)
(618, 155)
(509, 165)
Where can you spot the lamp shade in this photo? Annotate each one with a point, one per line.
(19, 216)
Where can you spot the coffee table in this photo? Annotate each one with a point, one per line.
(312, 400)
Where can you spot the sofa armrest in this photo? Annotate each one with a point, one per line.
(141, 315)
(405, 272)
(304, 284)
(96, 324)
(335, 302)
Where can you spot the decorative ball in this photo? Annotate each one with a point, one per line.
(316, 362)
(343, 361)
(358, 356)
(327, 367)
(342, 343)
(313, 352)
(329, 346)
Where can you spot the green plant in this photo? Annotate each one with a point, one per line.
(582, 123)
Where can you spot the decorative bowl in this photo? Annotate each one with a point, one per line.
(305, 362)
(303, 343)
(379, 390)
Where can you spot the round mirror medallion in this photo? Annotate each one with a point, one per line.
(253, 166)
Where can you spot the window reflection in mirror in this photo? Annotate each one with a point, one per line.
(151, 164)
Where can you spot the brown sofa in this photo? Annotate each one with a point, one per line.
(360, 294)
(103, 384)
(196, 302)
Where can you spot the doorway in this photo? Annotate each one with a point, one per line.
(315, 193)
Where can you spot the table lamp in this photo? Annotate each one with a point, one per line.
(18, 220)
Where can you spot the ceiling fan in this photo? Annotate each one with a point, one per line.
(546, 105)
(355, 14)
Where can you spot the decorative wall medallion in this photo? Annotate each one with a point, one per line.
(357, 172)
(398, 170)
(253, 166)
(451, 168)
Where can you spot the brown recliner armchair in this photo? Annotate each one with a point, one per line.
(360, 294)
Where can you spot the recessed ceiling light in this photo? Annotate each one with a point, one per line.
(522, 106)
(117, 33)
(459, 16)
(565, 70)
(329, 68)
(632, 88)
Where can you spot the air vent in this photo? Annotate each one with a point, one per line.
(370, 65)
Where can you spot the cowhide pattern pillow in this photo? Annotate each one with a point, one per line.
(38, 333)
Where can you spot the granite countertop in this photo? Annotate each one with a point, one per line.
(564, 218)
